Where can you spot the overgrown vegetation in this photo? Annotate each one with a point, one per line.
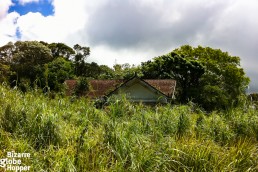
(65, 134)
(209, 77)
(212, 127)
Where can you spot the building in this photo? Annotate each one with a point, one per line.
(135, 89)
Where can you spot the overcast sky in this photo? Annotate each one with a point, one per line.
(133, 31)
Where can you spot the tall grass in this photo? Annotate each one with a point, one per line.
(65, 134)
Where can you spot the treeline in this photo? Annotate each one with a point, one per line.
(31, 63)
(209, 77)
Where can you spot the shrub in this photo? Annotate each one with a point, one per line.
(82, 86)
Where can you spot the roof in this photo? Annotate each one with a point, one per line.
(166, 86)
(99, 88)
(71, 84)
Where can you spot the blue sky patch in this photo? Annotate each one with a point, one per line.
(43, 6)
(18, 33)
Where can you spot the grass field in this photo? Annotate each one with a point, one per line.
(67, 134)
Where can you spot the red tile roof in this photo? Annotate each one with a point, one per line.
(70, 84)
(99, 88)
(103, 87)
(166, 86)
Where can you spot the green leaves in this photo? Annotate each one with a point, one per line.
(60, 50)
(82, 87)
(185, 71)
(31, 53)
(223, 81)
(28, 59)
(41, 64)
(4, 72)
(56, 72)
(210, 77)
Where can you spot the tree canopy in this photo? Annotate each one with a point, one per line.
(186, 72)
(223, 82)
(29, 57)
(60, 50)
(26, 63)
(56, 72)
(209, 77)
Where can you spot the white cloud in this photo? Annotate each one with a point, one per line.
(66, 20)
(34, 26)
(7, 22)
(4, 7)
(106, 55)
(23, 2)
(8, 28)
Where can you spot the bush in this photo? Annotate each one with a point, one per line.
(82, 86)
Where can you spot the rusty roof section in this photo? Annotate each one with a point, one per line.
(99, 88)
(166, 86)
(70, 84)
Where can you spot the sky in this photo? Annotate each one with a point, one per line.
(134, 31)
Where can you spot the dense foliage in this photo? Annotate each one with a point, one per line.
(224, 81)
(66, 134)
(27, 64)
(30, 64)
(207, 76)
(187, 73)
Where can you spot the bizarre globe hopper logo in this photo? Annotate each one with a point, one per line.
(13, 161)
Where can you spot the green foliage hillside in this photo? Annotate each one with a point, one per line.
(66, 134)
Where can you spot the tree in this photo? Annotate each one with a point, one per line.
(56, 72)
(106, 72)
(223, 81)
(125, 71)
(187, 73)
(207, 76)
(5, 72)
(28, 58)
(80, 59)
(60, 50)
(128, 71)
(92, 70)
(6, 53)
(82, 86)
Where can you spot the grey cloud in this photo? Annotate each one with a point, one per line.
(238, 34)
(131, 25)
(123, 24)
